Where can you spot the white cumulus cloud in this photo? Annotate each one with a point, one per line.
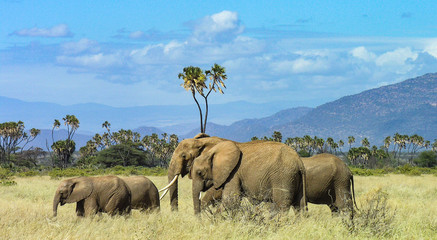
(221, 26)
(363, 54)
(396, 57)
(431, 48)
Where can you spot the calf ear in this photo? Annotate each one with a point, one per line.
(224, 160)
(80, 189)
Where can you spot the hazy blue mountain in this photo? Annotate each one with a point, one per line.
(143, 131)
(175, 118)
(44, 139)
(245, 129)
(408, 107)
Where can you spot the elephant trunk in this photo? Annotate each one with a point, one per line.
(174, 187)
(196, 197)
(56, 200)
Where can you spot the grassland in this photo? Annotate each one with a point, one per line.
(410, 213)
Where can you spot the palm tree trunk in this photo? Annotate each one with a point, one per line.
(206, 114)
(200, 111)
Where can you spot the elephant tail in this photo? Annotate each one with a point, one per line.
(353, 191)
(304, 197)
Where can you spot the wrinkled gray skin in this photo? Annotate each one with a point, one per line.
(145, 195)
(328, 181)
(263, 171)
(93, 195)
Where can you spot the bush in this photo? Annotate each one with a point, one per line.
(304, 153)
(369, 172)
(407, 169)
(123, 155)
(117, 170)
(375, 217)
(73, 172)
(6, 177)
(28, 173)
(426, 159)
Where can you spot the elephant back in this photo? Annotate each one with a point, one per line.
(114, 194)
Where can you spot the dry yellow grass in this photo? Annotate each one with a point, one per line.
(26, 209)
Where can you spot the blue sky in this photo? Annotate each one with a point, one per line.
(129, 53)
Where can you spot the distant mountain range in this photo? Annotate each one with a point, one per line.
(178, 119)
(408, 107)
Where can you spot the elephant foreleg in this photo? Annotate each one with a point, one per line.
(80, 210)
(91, 207)
(231, 196)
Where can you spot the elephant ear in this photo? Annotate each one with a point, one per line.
(201, 135)
(225, 158)
(80, 188)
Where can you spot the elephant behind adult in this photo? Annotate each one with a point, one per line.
(145, 195)
(107, 194)
(330, 182)
(266, 171)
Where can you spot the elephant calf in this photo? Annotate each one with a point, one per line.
(328, 181)
(145, 195)
(92, 195)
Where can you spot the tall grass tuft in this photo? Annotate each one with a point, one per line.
(375, 216)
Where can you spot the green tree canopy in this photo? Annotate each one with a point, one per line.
(426, 159)
(12, 135)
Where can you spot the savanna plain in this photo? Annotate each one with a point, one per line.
(392, 206)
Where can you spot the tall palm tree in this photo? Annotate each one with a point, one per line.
(350, 140)
(365, 143)
(330, 143)
(340, 145)
(194, 80)
(387, 142)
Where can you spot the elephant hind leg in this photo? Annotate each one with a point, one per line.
(344, 203)
(282, 197)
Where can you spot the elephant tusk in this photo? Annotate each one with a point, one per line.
(200, 196)
(162, 196)
(170, 184)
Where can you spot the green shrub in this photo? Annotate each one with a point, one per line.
(414, 172)
(407, 169)
(69, 172)
(369, 172)
(426, 159)
(117, 170)
(304, 153)
(5, 173)
(6, 177)
(28, 173)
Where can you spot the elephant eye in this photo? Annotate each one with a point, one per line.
(199, 173)
(184, 156)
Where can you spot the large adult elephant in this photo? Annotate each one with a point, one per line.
(328, 181)
(145, 196)
(107, 194)
(265, 171)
